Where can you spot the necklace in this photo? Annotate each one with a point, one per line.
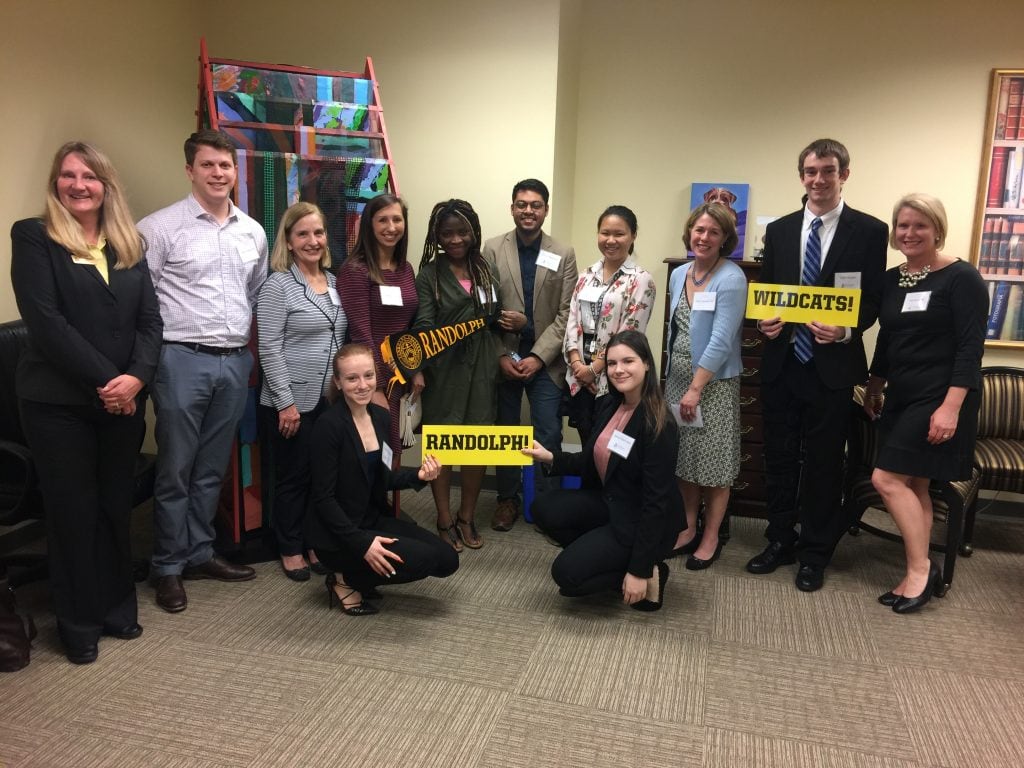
(909, 279)
(693, 272)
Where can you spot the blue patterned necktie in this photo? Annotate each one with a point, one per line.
(802, 339)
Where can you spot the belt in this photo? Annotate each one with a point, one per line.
(206, 350)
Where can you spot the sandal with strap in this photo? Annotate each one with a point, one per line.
(473, 541)
(358, 609)
(450, 535)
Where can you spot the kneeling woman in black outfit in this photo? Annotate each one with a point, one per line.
(622, 523)
(352, 529)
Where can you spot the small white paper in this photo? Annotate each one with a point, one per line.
(391, 296)
(848, 280)
(698, 417)
(387, 456)
(591, 293)
(548, 260)
(704, 301)
(247, 252)
(916, 301)
(79, 260)
(483, 295)
(335, 298)
(621, 444)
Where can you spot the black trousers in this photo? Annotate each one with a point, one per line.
(290, 458)
(423, 554)
(85, 458)
(805, 428)
(592, 560)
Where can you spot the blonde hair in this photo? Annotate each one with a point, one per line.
(116, 223)
(281, 257)
(928, 206)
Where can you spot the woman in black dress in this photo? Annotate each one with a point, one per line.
(932, 318)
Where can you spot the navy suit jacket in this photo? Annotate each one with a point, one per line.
(645, 509)
(859, 245)
(82, 331)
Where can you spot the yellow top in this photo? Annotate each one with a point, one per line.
(98, 259)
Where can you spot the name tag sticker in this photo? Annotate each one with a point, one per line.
(848, 280)
(483, 295)
(79, 260)
(621, 444)
(704, 301)
(548, 260)
(247, 252)
(387, 456)
(916, 301)
(335, 298)
(391, 296)
(591, 293)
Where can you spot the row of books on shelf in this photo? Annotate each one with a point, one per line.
(1002, 246)
(1006, 316)
(1009, 117)
(1006, 178)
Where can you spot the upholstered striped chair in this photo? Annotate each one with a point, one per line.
(999, 452)
(949, 500)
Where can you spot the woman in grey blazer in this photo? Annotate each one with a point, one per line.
(707, 299)
(301, 324)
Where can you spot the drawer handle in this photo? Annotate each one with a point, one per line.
(748, 372)
(740, 485)
(745, 401)
(746, 430)
(745, 458)
(750, 343)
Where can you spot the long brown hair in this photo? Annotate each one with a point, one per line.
(651, 399)
(367, 250)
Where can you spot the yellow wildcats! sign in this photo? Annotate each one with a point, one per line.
(804, 304)
(458, 444)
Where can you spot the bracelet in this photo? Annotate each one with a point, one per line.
(592, 371)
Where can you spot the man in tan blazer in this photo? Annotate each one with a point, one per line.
(537, 277)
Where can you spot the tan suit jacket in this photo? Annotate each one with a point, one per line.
(552, 291)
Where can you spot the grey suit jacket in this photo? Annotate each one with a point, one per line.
(552, 291)
(298, 337)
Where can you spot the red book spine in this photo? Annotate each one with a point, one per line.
(996, 177)
(1004, 100)
(1013, 107)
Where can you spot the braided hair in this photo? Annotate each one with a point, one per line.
(479, 272)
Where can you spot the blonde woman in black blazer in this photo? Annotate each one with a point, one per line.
(352, 527)
(301, 324)
(94, 327)
(622, 523)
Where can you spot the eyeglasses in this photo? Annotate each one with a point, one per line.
(535, 205)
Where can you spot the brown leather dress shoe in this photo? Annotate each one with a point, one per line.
(220, 569)
(170, 593)
(505, 515)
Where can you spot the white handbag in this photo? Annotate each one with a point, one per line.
(410, 414)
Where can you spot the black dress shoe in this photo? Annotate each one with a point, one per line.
(319, 568)
(694, 563)
(296, 574)
(910, 604)
(655, 596)
(129, 632)
(889, 598)
(774, 555)
(810, 578)
(220, 569)
(87, 654)
(170, 593)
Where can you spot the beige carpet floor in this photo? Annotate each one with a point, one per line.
(492, 668)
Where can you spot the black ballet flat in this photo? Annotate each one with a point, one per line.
(910, 604)
(889, 599)
(296, 574)
(689, 547)
(319, 568)
(655, 596)
(696, 564)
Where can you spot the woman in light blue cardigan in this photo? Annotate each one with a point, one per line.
(707, 300)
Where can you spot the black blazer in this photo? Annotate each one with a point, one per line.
(859, 245)
(646, 510)
(344, 503)
(82, 331)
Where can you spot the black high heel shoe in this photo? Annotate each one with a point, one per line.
(696, 564)
(911, 604)
(359, 609)
(655, 596)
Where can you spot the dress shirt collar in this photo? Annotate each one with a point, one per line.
(197, 211)
(828, 220)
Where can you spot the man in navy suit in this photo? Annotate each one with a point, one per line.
(809, 370)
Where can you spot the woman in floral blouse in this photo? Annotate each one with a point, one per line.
(610, 296)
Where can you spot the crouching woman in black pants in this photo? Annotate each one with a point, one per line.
(352, 529)
(618, 528)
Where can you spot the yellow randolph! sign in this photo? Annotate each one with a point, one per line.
(468, 445)
(803, 304)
